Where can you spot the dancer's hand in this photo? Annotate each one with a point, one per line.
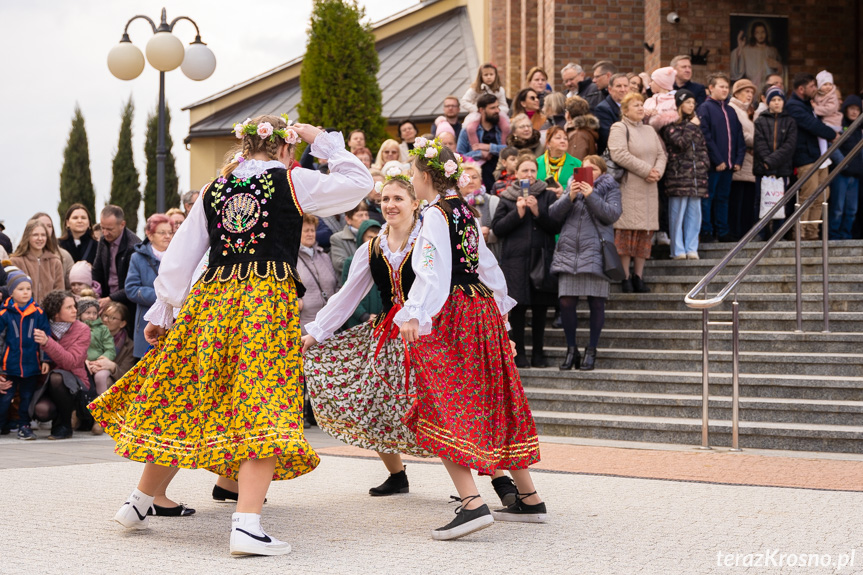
(512, 347)
(410, 330)
(306, 131)
(152, 333)
(308, 341)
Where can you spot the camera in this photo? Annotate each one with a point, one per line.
(673, 17)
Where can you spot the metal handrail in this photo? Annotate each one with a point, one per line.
(706, 304)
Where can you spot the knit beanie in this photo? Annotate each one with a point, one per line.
(742, 84)
(16, 278)
(81, 273)
(824, 77)
(443, 125)
(664, 77)
(774, 92)
(86, 303)
(681, 96)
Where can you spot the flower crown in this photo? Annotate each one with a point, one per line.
(392, 174)
(430, 150)
(266, 131)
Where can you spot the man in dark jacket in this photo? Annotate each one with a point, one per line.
(808, 150)
(112, 257)
(598, 90)
(608, 111)
(726, 148)
(683, 81)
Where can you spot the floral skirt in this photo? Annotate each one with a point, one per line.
(222, 386)
(471, 407)
(633, 243)
(360, 399)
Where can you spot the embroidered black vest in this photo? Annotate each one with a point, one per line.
(464, 236)
(393, 283)
(255, 226)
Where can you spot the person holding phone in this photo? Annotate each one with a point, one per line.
(555, 166)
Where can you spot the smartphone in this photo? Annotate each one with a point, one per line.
(525, 188)
(552, 183)
(583, 175)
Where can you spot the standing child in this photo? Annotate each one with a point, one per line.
(487, 82)
(470, 409)
(773, 152)
(22, 359)
(101, 347)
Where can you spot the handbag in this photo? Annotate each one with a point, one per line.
(615, 171)
(540, 276)
(611, 265)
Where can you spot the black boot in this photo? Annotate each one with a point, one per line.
(538, 360)
(309, 415)
(626, 285)
(589, 359)
(638, 285)
(395, 483)
(572, 359)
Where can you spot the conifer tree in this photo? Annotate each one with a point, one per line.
(125, 184)
(172, 197)
(76, 184)
(339, 75)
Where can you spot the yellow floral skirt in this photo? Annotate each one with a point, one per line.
(221, 387)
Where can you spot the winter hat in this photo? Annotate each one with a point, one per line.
(824, 77)
(16, 278)
(852, 100)
(774, 92)
(664, 77)
(742, 84)
(681, 96)
(81, 273)
(443, 125)
(86, 303)
(364, 227)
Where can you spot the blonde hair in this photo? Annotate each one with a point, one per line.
(409, 188)
(24, 245)
(628, 99)
(389, 143)
(173, 211)
(254, 144)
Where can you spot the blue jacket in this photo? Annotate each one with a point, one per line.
(20, 352)
(608, 112)
(143, 269)
(723, 134)
(809, 129)
(464, 148)
(854, 169)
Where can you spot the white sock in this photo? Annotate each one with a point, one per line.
(250, 522)
(140, 499)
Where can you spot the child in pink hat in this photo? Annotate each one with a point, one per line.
(81, 280)
(660, 109)
(826, 101)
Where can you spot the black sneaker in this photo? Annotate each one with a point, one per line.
(395, 483)
(505, 489)
(60, 433)
(25, 433)
(466, 521)
(521, 512)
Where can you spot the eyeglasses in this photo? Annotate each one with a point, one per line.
(450, 105)
(111, 317)
(164, 234)
(531, 98)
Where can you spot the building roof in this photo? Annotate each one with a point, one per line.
(419, 67)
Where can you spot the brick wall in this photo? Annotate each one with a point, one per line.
(529, 30)
(653, 16)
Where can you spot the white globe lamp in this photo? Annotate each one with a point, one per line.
(165, 51)
(199, 62)
(125, 60)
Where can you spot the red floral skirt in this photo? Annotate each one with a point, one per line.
(470, 406)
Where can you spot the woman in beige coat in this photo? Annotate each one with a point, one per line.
(34, 258)
(745, 198)
(636, 147)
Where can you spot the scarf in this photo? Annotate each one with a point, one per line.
(59, 328)
(522, 143)
(553, 165)
(156, 253)
(513, 192)
(119, 340)
(308, 251)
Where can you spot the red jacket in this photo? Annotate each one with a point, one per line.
(70, 351)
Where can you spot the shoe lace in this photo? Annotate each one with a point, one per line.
(463, 502)
(522, 496)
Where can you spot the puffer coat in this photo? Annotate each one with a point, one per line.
(578, 248)
(688, 160)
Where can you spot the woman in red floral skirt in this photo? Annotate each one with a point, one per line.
(470, 409)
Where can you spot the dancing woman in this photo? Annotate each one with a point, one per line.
(357, 380)
(221, 389)
(471, 410)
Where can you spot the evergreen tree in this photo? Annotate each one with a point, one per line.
(76, 185)
(125, 185)
(339, 75)
(172, 197)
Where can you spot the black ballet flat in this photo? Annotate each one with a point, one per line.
(222, 494)
(179, 511)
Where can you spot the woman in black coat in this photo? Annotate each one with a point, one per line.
(77, 238)
(521, 222)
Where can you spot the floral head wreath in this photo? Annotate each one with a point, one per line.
(393, 173)
(430, 150)
(266, 131)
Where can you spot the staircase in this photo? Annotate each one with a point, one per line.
(799, 391)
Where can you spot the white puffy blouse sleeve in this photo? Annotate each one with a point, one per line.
(348, 182)
(492, 276)
(340, 307)
(179, 265)
(432, 263)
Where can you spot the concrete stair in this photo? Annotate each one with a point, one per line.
(799, 391)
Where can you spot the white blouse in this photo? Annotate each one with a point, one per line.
(340, 307)
(321, 194)
(432, 264)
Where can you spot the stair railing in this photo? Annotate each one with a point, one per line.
(698, 298)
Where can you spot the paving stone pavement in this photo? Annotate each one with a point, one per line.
(61, 512)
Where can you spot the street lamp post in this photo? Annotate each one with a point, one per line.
(165, 53)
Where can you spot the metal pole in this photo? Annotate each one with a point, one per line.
(735, 376)
(161, 152)
(798, 266)
(825, 266)
(705, 377)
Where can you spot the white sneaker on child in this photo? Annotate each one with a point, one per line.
(133, 513)
(248, 537)
(662, 239)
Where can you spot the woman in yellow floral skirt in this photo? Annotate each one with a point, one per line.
(221, 389)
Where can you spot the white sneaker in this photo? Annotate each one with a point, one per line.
(662, 239)
(131, 515)
(248, 538)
